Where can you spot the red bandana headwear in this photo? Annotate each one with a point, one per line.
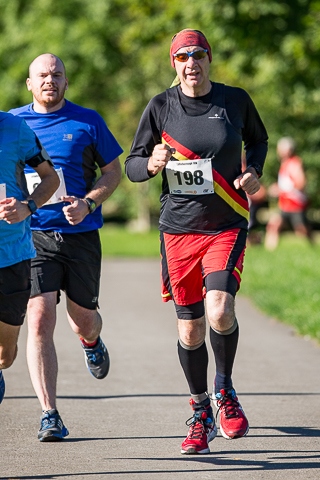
(188, 38)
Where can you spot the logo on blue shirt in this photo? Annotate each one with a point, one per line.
(67, 137)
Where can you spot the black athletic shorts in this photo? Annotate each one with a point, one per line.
(294, 219)
(14, 292)
(69, 262)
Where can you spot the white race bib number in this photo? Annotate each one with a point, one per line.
(33, 181)
(3, 193)
(190, 177)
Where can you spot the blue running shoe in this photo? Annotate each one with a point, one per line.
(2, 386)
(51, 427)
(97, 359)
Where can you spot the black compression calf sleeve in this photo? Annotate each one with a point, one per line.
(224, 349)
(195, 364)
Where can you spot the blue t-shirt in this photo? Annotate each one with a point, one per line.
(78, 141)
(18, 144)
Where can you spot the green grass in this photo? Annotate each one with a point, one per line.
(284, 284)
(121, 242)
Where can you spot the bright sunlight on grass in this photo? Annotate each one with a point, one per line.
(121, 242)
(285, 283)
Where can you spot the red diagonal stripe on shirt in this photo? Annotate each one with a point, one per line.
(226, 187)
(222, 188)
(180, 148)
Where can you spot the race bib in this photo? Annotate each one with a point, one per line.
(33, 181)
(3, 193)
(190, 177)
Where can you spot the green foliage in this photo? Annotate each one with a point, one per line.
(116, 55)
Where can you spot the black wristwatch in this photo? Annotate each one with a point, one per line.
(91, 204)
(257, 168)
(32, 205)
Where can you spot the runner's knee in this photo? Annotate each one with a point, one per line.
(7, 357)
(220, 310)
(191, 333)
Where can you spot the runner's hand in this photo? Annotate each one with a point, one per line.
(248, 181)
(76, 211)
(160, 157)
(13, 211)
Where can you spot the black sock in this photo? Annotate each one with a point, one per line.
(224, 349)
(195, 364)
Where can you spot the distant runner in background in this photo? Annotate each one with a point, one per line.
(290, 191)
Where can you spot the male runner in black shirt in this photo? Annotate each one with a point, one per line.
(193, 135)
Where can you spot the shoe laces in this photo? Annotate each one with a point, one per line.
(96, 356)
(228, 402)
(197, 428)
(198, 422)
(49, 420)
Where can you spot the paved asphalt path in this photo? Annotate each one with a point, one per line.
(131, 424)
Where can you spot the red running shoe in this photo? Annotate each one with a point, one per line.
(202, 429)
(233, 422)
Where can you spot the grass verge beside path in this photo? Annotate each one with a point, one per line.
(121, 242)
(284, 284)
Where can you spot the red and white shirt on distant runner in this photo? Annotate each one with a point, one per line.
(290, 198)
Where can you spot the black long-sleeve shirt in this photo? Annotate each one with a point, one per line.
(213, 126)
